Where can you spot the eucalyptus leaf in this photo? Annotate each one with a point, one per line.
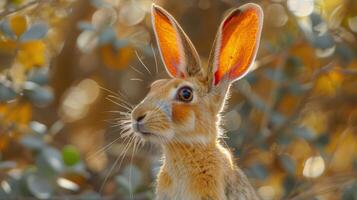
(85, 26)
(288, 164)
(106, 36)
(90, 195)
(40, 96)
(50, 161)
(303, 132)
(39, 186)
(39, 76)
(38, 128)
(6, 93)
(259, 171)
(350, 193)
(32, 142)
(7, 165)
(6, 29)
(130, 179)
(35, 32)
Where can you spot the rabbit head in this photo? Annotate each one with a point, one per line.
(186, 107)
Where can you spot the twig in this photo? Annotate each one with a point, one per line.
(22, 7)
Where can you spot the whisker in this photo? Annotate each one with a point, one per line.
(141, 61)
(137, 79)
(121, 158)
(117, 95)
(136, 70)
(156, 65)
(118, 104)
(105, 148)
(121, 100)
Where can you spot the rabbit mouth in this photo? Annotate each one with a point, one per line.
(140, 129)
(146, 133)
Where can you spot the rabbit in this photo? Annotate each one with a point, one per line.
(182, 113)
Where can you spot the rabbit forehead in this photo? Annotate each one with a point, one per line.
(166, 88)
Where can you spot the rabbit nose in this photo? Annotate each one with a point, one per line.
(140, 118)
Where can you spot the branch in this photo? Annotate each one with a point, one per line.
(7, 12)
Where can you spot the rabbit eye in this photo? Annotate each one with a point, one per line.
(185, 94)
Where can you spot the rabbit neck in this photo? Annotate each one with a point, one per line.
(188, 159)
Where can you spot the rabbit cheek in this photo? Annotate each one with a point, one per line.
(183, 117)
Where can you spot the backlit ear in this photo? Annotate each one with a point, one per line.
(177, 51)
(236, 43)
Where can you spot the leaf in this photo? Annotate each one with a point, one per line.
(274, 75)
(32, 53)
(303, 132)
(350, 193)
(259, 171)
(90, 195)
(50, 161)
(287, 163)
(6, 93)
(35, 32)
(5, 28)
(32, 142)
(85, 26)
(7, 165)
(38, 128)
(39, 76)
(39, 186)
(106, 36)
(116, 59)
(130, 179)
(39, 95)
(20, 114)
(70, 155)
(18, 24)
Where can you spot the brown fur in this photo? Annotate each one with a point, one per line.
(195, 165)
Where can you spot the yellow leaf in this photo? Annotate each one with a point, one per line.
(116, 59)
(316, 121)
(343, 148)
(18, 24)
(329, 83)
(31, 54)
(20, 114)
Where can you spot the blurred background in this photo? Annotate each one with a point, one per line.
(64, 65)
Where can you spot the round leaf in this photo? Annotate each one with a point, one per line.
(70, 155)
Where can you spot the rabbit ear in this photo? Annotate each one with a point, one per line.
(177, 51)
(236, 44)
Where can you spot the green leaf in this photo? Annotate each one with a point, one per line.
(70, 155)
